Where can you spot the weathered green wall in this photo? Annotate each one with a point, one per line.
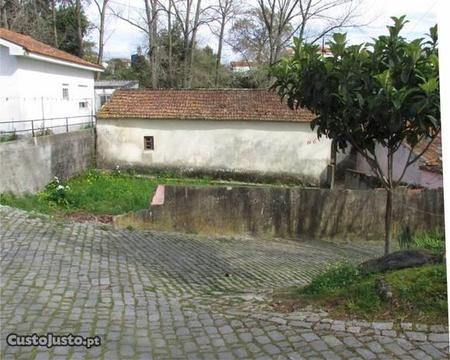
(288, 212)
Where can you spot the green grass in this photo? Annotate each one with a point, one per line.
(8, 137)
(97, 192)
(430, 240)
(418, 294)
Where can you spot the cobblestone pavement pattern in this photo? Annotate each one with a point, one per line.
(155, 295)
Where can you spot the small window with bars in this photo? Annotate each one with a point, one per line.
(149, 143)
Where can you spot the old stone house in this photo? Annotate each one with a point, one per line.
(234, 132)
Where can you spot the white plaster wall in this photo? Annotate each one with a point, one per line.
(8, 74)
(243, 146)
(32, 89)
(414, 175)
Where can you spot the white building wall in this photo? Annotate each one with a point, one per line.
(32, 89)
(8, 74)
(413, 175)
(271, 148)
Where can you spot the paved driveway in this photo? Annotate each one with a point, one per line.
(152, 295)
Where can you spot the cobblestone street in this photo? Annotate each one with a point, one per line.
(152, 295)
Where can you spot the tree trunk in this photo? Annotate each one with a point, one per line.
(3, 18)
(192, 43)
(150, 11)
(186, 43)
(389, 195)
(79, 30)
(219, 51)
(101, 34)
(169, 30)
(155, 48)
(55, 32)
(388, 222)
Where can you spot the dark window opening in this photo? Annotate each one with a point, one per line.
(149, 144)
(65, 92)
(104, 99)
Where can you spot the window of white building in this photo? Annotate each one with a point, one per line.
(65, 92)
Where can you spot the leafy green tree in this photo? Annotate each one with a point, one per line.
(381, 94)
(252, 79)
(67, 28)
(204, 70)
(53, 22)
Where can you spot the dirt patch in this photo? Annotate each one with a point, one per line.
(92, 218)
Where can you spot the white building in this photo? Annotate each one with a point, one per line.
(105, 88)
(40, 82)
(242, 66)
(235, 131)
(425, 172)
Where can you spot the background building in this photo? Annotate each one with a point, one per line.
(39, 82)
(105, 88)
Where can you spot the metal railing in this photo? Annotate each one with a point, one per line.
(38, 126)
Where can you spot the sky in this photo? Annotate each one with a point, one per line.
(123, 38)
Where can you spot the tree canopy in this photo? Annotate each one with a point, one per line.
(384, 93)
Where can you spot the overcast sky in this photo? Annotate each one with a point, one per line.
(123, 39)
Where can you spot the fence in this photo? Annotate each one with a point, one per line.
(37, 127)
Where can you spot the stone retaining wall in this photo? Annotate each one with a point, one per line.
(287, 212)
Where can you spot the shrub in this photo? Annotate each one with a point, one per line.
(43, 132)
(116, 171)
(56, 192)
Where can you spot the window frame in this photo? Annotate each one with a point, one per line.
(65, 92)
(149, 143)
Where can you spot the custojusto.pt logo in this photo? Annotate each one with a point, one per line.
(50, 340)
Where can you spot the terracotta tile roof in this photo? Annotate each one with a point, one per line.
(242, 63)
(33, 46)
(201, 104)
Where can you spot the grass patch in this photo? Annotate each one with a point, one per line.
(8, 137)
(96, 192)
(430, 240)
(418, 294)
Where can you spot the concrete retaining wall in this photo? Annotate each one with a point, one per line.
(27, 165)
(287, 212)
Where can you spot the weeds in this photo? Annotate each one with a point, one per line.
(8, 137)
(334, 277)
(430, 240)
(96, 191)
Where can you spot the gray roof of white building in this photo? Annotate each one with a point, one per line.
(116, 84)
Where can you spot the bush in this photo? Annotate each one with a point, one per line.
(57, 192)
(335, 277)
